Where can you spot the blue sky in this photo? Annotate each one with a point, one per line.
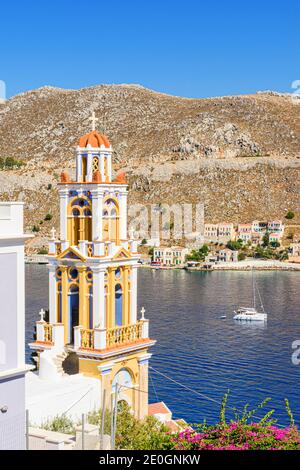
(189, 48)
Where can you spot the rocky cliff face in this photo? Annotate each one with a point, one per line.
(239, 155)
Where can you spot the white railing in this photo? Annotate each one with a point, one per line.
(51, 334)
(102, 338)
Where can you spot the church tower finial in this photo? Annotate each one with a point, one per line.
(93, 120)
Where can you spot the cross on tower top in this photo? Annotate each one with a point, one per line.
(93, 120)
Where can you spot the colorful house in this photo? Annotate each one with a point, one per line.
(170, 256)
(93, 283)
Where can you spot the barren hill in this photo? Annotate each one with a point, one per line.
(239, 155)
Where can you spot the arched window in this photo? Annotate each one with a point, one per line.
(73, 299)
(118, 305)
(111, 219)
(79, 220)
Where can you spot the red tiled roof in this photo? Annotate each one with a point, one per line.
(172, 425)
(94, 139)
(159, 407)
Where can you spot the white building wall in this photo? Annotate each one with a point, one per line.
(12, 327)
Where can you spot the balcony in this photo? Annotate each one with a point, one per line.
(100, 339)
(48, 335)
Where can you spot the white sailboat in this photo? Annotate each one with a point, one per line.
(252, 313)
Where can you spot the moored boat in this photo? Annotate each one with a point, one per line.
(252, 313)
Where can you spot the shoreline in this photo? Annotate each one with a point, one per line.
(249, 265)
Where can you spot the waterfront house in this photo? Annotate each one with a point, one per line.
(221, 232)
(294, 252)
(275, 237)
(226, 232)
(170, 256)
(244, 232)
(226, 256)
(259, 227)
(210, 232)
(276, 226)
(211, 259)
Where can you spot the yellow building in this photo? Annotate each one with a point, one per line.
(93, 282)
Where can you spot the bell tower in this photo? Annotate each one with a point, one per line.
(93, 280)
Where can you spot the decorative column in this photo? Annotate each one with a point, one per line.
(64, 301)
(108, 166)
(63, 195)
(83, 319)
(111, 298)
(133, 300)
(78, 166)
(102, 166)
(99, 314)
(53, 314)
(143, 361)
(97, 208)
(123, 216)
(106, 380)
(89, 169)
(125, 300)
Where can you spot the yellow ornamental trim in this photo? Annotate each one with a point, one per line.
(122, 254)
(71, 253)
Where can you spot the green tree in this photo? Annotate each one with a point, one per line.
(198, 255)
(266, 239)
(48, 217)
(35, 228)
(144, 241)
(10, 162)
(133, 434)
(275, 244)
(150, 251)
(290, 215)
(235, 244)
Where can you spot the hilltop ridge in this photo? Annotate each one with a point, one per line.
(240, 155)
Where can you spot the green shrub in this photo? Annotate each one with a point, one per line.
(198, 255)
(133, 434)
(235, 244)
(9, 163)
(290, 215)
(60, 424)
(48, 217)
(43, 251)
(35, 228)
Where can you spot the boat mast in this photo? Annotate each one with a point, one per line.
(253, 286)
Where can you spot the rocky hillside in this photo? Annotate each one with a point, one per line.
(239, 155)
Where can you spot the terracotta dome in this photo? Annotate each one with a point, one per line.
(94, 139)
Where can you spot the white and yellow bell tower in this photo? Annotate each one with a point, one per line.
(93, 279)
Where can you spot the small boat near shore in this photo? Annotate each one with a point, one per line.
(249, 314)
(252, 313)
